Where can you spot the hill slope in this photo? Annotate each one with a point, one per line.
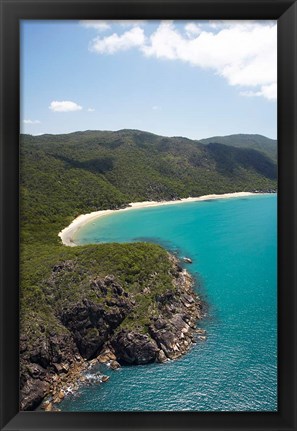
(88, 171)
(256, 142)
(75, 302)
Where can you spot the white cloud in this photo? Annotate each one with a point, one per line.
(95, 24)
(242, 52)
(192, 29)
(220, 24)
(64, 106)
(268, 91)
(31, 122)
(111, 44)
(165, 42)
(127, 22)
(156, 108)
(91, 110)
(102, 26)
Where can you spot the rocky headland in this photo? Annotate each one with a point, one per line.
(101, 328)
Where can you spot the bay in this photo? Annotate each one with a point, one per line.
(233, 245)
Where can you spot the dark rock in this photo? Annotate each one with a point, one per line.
(33, 393)
(68, 265)
(37, 368)
(60, 368)
(166, 298)
(166, 340)
(91, 324)
(36, 371)
(41, 355)
(179, 311)
(107, 284)
(134, 348)
(160, 323)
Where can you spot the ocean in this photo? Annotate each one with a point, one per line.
(233, 246)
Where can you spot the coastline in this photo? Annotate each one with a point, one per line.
(68, 232)
(133, 347)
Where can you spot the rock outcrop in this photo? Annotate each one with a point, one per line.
(131, 347)
(51, 355)
(91, 324)
(93, 331)
(171, 333)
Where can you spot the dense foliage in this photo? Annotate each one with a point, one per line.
(47, 289)
(63, 176)
(256, 142)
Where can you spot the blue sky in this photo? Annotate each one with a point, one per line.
(182, 78)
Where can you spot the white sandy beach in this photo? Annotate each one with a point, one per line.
(67, 234)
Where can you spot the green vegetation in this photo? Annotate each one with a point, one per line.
(63, 176)
(60, 277)
(256, 142)
(66, 175)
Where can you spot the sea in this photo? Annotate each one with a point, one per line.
(233, 246)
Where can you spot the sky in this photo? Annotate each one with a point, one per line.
(195, 79)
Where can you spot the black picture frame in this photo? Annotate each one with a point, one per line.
(285, 11)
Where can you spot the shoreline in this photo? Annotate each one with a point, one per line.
(148, 349)
(68, 232)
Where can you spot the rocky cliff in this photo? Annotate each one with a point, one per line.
(101, 327)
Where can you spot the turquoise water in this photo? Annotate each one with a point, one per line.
(233, 244)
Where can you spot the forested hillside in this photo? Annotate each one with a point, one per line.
(256, 142)
(65, 175)
(62, 176)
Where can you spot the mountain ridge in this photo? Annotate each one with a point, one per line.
(254, 141)
(63, 176)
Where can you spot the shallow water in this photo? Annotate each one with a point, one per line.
(233, 244)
